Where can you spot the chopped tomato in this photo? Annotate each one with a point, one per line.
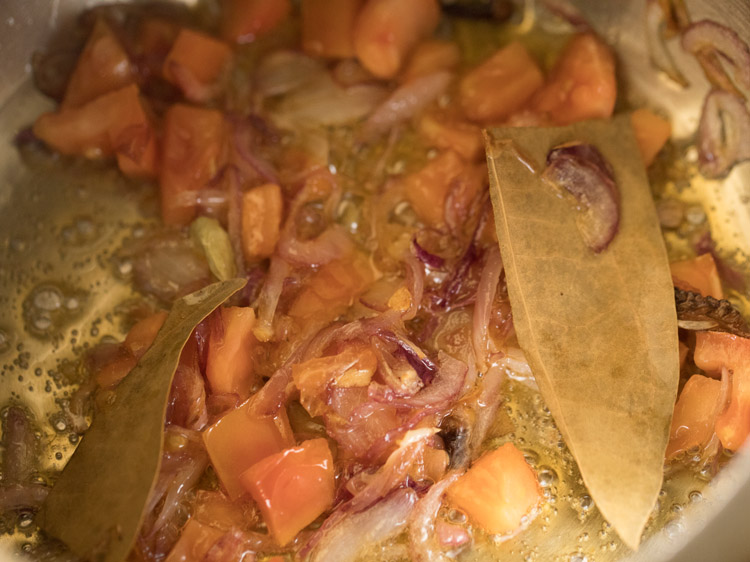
(500, 85)
(498, 491)
(446, 131)
(193, 154)
(240, 439)
(196, 64)
(447, 175)
(229, 360)
(102, 67)
(353, 367)
(387, 30)
(651, 131)
(582, 84)
(243, 21)
(331, 290)
(328, 27)
(116, 368)
(699, 275)
(293, 487)
(143, 333)
(262, 209)
(694, 415)
(114, 124)
(431, 56)
(715, 351)
(196, 539)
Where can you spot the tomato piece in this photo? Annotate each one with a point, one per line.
(328, 27)
(500, 85)
(699, 275)
(196, 539)
(582, 83)
(143, 333)
(694, 415)
(387, 30)
(446, 176)
(193, 153)
(445, 131)
(431, 56)
(196, 64)
(243, 21)
(353, 367)
(230, 362)
(331, 290)
(240, 439)
(262, 209)
(103, 67)
(292, 488)
(651, 131)
(114, 124)
(117, 368)
(498, 491)
(715, 351)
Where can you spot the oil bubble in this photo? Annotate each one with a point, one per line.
(695, 496)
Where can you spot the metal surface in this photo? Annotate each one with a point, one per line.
(62, 223)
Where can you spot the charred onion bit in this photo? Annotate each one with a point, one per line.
(708, 313)
(583, 172)
(715, 45)
(723, 134)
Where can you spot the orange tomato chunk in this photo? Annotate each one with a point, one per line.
(431, 56)
(498, 490)
(193, 153)
(698, 275)
(715, 351)
(243, 21)
(262, 209)
(292, 488)
(651, 131)
(229, 360)
(694, 414)
(386, 31)
(240, 439)
(582, 83)
(195, 63)
(328, 27)
(445, 131)
(143, 333)
(102, 67)
(500, 85)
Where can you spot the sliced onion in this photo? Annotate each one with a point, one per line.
(269, 298)
(486, 290)
(423, 545)
(715, 44)
(334, 243)
(355, 532)
(659, 53)
(582, 171)
(455, 284)
(232, 545)
(414, 284)
(349, 72)
(451, 536)
(567, 12)
(323, 102)
(443, 391)
(284, 71)
(514, 361)
(723, 134)
(249, 162)
(486, 407)
(405, 102)
(417, 358)
(431, 260)
(234, 219)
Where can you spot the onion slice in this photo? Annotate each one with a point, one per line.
(713, 45)
(422, 543)
(661, 58)
(582, 171)
(723, 134)
(486, 290)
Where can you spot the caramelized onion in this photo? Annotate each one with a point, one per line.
(284, 71)
(431, 260)
(422, 527)
(486, 290)
(269, 298)
(583, 172)
(713, 45)
(723, 134)
(332, 244)
(659, 53)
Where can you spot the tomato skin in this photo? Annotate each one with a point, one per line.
(196, 63)
(293, 487)
(715, 351)
(581, 85)
(103, 67)
(699, 275)
(193, 153)
(240, 439)
(230, 363)
(692, 422)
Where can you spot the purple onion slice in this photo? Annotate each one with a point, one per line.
(581, 170)
(723, 134)
(715, 45)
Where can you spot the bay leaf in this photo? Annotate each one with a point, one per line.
(599, 330)
(97, 505)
